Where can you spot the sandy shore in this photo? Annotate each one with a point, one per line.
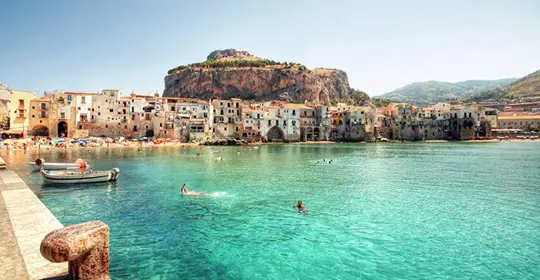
(116, 146)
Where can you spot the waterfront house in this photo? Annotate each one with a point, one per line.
(18, 118)
(227, 118)
(40, 121)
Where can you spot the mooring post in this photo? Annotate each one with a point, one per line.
(85, 246)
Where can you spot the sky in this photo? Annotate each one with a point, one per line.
(382, 45)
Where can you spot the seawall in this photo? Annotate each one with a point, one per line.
(24, 222)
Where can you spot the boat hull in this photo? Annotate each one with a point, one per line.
(70, 177)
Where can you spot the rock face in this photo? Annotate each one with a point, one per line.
(85, 246)
(237, 74)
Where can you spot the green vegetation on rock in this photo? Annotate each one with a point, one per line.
(523, 87)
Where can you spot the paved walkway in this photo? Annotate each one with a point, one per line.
(11, 260)
(24, 221)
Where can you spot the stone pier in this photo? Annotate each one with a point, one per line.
(24, 222)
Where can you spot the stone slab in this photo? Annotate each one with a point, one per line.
(11, 261)
(30, 220)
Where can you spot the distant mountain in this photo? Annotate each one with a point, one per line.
(523, 87)
(431, 92)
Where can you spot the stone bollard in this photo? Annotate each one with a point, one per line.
(85, 246)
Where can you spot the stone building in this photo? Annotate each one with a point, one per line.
(40, 121)
(227, 118)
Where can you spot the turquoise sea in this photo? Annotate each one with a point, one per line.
(377, 211)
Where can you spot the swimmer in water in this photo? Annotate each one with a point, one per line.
(301, 208)
(185, 191)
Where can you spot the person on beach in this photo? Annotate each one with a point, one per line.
(301, 208)
(185, 191)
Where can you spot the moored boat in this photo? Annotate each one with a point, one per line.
(77, 177)
(41, 164)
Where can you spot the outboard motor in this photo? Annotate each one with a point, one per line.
(115, 172)
(39, 162)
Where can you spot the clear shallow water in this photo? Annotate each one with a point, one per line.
(378, 211)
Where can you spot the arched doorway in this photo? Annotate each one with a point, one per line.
(62, 129)
(40, 130)
(275, 134)
(316, 134)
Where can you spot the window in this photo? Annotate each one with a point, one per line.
(62, 115)
(225, 129)
(106, 126)
(125, 126)
(69, 97)
(313, 113)
(80, 126)
(79, 108)
(21, 103)
(99, 114)
(293, 112)
(43, 106)
(83, 100)
(237, 128)
(111, 111)
(33, 116)
(293, 123)
(33, 107)
(269, 122)
(284, 122)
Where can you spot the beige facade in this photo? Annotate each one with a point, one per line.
(19, 112)
(40, 121)
(518, 121)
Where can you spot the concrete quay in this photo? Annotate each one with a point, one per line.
(24, 222)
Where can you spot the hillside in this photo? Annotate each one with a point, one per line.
(431, 92)
(237, 74)
(526, 86)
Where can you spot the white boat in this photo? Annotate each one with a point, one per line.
(78, 177)
(41, 164)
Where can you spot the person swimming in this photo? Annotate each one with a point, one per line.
(301, 208)
(185, 191)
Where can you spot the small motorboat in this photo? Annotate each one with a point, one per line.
(78, 177)
(41, 164)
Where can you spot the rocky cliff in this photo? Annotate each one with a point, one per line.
(230, 73)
